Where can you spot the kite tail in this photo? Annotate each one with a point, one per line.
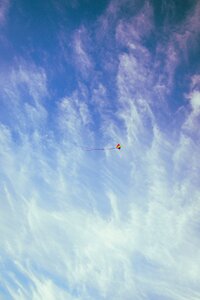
(97, 149)
(118, 147)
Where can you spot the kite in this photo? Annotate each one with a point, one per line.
(118, 147)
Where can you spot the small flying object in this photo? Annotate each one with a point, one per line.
(118, 146)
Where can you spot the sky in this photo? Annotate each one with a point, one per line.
(84, 225)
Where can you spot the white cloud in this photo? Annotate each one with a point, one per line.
(140, 26)
(191, 124)
(175, 50)
(114, 225)
(55, 240)
(195, 101)
(82, 58)
(33, 77)
(4, 6)
(188, 31)
(23, 94)
(74, 117)
(195, 84)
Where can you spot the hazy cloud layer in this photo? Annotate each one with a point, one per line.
(103, 225)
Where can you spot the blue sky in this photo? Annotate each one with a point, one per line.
(81, 225)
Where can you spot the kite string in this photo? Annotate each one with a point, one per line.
(97, 149)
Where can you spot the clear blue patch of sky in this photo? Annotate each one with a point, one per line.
(35, 24)
(130, 8)
(171, 12)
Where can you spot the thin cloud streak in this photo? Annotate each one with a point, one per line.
(4, 7)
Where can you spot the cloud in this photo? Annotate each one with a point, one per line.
(191, 124)
(195, 82)
(100, 225)
(189, 30)
(176, 48)
(4, 6)
(136, 29)
(195, 101)
(74, 118)
(23, 95)
(83, 60)
(34, 78)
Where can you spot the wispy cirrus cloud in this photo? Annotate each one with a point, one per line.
(101, 225)
(4, 6)
(22, 89)
(82, 59)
